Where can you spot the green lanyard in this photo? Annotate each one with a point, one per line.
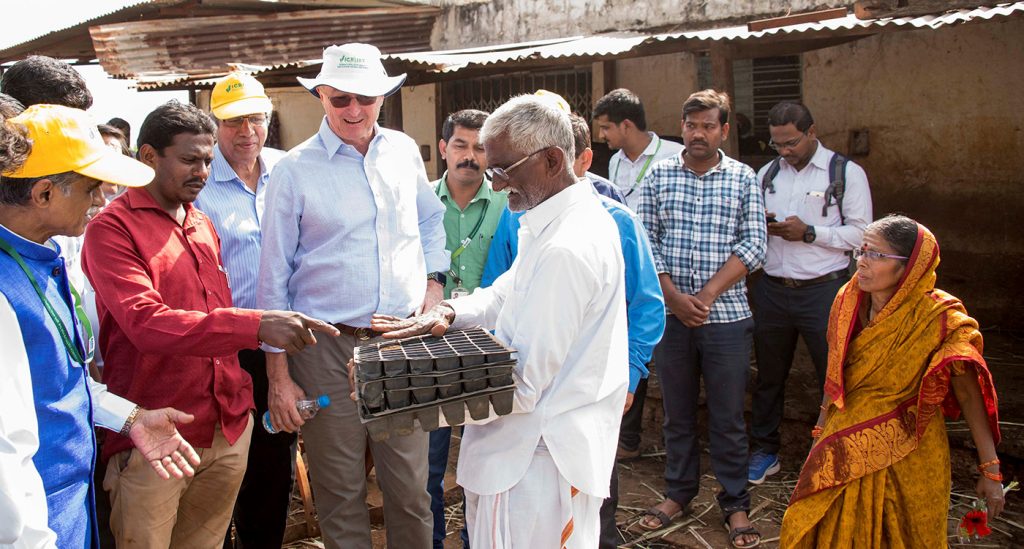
(643, 170)
(465, 241)
(72, 348)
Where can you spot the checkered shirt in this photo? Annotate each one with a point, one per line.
(696, 222)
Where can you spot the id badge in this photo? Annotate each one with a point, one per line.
(458, 292)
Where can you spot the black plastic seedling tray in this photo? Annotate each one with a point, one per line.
(423, 354)
(399, 383)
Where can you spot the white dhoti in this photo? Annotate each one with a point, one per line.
(541, 511)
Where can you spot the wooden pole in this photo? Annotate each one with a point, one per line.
(722, 80)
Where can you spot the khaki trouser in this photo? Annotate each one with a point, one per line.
(148, 511)
(336, 443)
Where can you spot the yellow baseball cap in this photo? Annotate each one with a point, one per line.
(67, 140)
(237, 95)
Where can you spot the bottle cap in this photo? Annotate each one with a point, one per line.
(323, 400)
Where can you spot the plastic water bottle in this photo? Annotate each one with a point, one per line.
(307, 409)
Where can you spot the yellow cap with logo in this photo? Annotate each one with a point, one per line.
(66, 140)
(239, 94)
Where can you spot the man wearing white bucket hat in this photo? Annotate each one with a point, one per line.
(351, 227)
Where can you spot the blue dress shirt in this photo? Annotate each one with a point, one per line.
(346, 236)
(236, 212)
(645, 305)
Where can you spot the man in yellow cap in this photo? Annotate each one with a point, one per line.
(50, 404)
(233, 199)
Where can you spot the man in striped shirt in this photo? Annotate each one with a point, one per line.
(233, 199)
(704, 213)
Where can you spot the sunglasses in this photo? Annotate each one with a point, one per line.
(342, 101)
(502, 173)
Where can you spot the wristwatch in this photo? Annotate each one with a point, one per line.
(809, 234)
(438, 277)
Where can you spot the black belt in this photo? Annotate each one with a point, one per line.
(361, 334)
(793, 283)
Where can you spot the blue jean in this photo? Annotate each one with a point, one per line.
(440, 441)
(720, 353)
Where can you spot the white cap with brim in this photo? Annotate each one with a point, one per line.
(354, 68)
(67, 140)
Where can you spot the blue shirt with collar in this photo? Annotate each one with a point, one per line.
(645, 305)
(236, 212)
(347, 235)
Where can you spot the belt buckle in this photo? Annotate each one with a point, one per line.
(363, 334)
(790, 283)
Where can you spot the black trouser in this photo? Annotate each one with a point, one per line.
(781, 314)
(720, 354)
(261, 510)
(610, 538)
(632, 423)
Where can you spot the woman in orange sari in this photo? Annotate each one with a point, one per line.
(878, 474)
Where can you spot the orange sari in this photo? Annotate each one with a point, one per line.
(879, 475)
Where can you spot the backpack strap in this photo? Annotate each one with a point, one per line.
(769, 176)
(837, 185)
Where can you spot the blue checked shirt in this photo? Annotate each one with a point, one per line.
(696, 222)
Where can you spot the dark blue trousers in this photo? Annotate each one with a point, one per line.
(780, 315)
(440, 441)
(720, 355)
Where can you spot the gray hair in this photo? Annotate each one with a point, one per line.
(530, 124)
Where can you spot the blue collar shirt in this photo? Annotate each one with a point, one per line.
(236, 212)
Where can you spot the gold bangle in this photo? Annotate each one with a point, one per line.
(127, 427)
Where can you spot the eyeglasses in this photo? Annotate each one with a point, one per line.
(872, 255)
(502, 173)
(342, 101)
(254, 120)
(788, 144)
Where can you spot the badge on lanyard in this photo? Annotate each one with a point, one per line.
(459, 291)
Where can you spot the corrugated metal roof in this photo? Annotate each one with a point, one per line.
(625, 44)
(195, 48)
(74, 42)
(619, 43)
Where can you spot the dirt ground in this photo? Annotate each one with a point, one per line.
(641, 483)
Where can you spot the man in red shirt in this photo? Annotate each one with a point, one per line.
(170, 335)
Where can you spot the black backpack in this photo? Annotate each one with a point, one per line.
(836, 188)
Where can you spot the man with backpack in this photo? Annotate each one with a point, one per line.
(817, 204)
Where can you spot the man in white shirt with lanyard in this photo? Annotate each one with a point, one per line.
(818, 204)
(621, 123)
(537, 477)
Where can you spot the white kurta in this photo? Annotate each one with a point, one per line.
(562, 307)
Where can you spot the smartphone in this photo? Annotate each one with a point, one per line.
(771, 219)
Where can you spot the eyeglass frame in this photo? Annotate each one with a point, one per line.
(237, 121)
(872, 255)
(788, 144)
(495, 172)
(363, 100)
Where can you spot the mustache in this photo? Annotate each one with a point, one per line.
(468, 164)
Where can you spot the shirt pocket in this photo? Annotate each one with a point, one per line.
(814, 206)
(722, 213)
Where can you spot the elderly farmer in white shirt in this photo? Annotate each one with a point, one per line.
(536, 477)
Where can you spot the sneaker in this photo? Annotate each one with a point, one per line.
(761, 466)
